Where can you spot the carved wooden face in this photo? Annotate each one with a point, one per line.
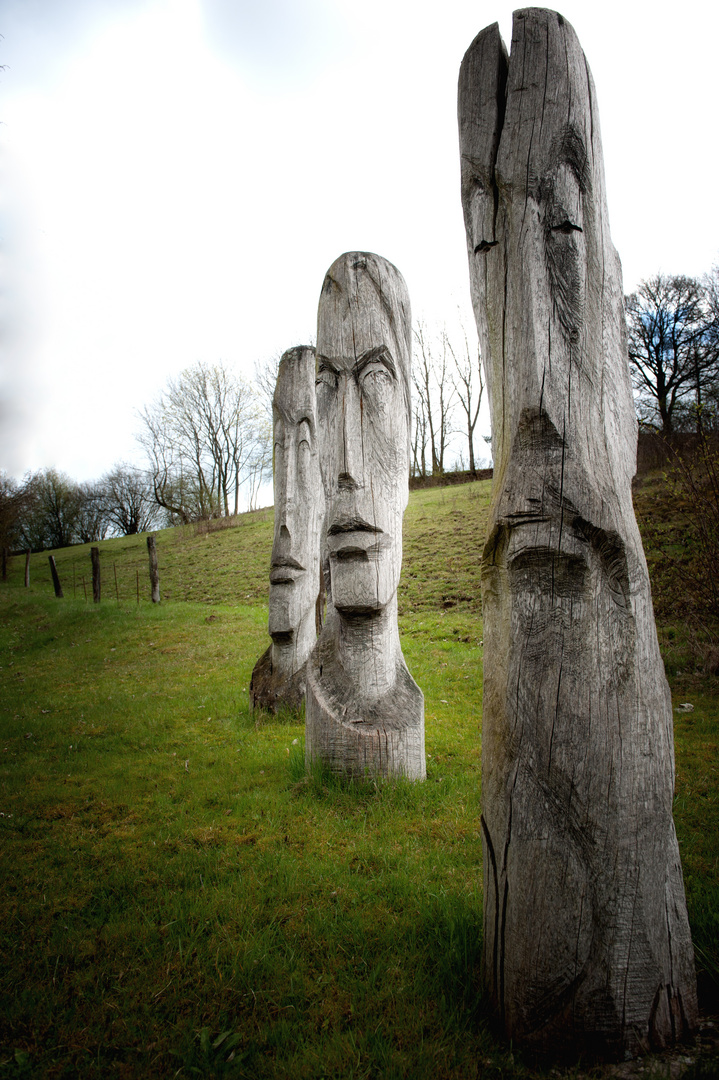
(298, 497)
(363, 371)
(538, 234)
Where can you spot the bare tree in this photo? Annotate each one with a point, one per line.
(171, 490)
(709, 417)
(673, 347)
(52, 511)
(13, 504)
(435, 392)
(205, 436)
(468, 386)
(92, 519)
(419, 440)
(265, 381)
(129, 501)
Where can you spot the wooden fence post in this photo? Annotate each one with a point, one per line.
(154, 572)
(95, 556)
(55, 578)
(27, 568)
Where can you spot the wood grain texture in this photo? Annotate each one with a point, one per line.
(278, 678)
(365, 713)
(587, 946)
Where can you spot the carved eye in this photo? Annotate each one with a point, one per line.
(375, 376)
(304, 436)
(303, 452)
(326, 377)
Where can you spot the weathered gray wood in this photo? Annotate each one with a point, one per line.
(96, 582)
(365, 713)
(154, 571)
(586, 940)
(55, 579)
(278, 678)
(27, 569)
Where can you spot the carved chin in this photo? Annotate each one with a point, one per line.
(290, 603)
(283, 605)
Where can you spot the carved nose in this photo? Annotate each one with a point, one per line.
(346, 482)
(282, 545)
(351, 475)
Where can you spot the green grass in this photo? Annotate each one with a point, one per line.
(211, 563)
(169, 873)
(180, 899)
(205, 563)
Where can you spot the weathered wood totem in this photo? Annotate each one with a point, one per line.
(586, 940)
(278, 678)
(365, 713)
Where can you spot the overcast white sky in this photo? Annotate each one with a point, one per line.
(178, 175)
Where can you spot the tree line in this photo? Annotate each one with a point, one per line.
(447, 392)
(673, 349)
(207, 439)
(207, 436)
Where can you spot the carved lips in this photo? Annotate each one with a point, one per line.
(282, 571)
(354, 538)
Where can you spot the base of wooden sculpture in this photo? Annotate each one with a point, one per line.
(271, 689)
(361, 738)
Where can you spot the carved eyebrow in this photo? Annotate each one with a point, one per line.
(289, 419)
(325, 364)
(379, 354)
(306, 419)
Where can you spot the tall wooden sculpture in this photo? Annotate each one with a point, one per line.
(586, 939)
(279, 675)
(365, 713)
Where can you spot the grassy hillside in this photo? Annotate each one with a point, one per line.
(179, 899)
(227, 562)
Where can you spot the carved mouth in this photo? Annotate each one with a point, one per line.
(352, 554)
(350, 525)
(284, 571)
